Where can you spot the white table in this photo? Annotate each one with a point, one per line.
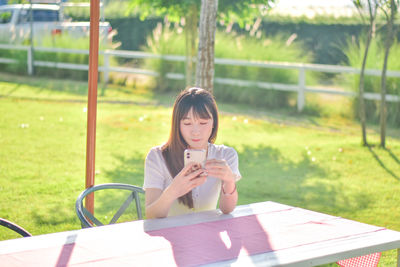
(259, 234)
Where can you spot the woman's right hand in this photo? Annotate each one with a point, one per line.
(187, 179)
(159, 202)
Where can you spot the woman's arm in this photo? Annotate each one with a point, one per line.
(221, 170)
(159, 202)
(229, 197)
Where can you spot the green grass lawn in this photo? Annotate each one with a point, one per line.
(315, 163)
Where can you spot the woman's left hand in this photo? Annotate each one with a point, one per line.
(219, 169)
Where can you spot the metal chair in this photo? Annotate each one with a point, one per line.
(89, 220)
(16, 228)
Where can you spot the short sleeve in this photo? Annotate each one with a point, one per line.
(153, 175)
(232, 159)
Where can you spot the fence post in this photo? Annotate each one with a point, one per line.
(30, 60)
(106, 67)
(301, 100)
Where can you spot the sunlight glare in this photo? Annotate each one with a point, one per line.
(225, 239)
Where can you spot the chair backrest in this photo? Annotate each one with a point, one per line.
(16, 228)
(89, 220)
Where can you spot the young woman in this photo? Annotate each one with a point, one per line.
(171, 188)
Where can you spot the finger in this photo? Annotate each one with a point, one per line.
(220, 161)
(198, 181)
(188, 168)
(190, 165)
(202, 180)
(204, 173)
(194, 174)
(216, 163)
(214, 169)
(215, 174)
(196, 167)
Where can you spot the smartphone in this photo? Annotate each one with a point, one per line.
(195, 155)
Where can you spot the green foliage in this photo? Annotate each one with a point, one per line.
(165, 40)
(21, 56)
(259, 49)
(316, 20)
(175, 9)
(5, 17)
(354, 52)
(63, 41)
(133, 32)
(321, 35)
(228, 10)
(318, 37)
(53, 41)
(242, 12)
(110, 10)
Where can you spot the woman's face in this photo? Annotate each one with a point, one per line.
(196, 131)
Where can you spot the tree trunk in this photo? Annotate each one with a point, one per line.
(372, 15)
(388, 44)
(361, 92)
(191, 20)
(205, 55)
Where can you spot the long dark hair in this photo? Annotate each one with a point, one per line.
(205, 107)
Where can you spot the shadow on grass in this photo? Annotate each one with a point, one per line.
(382, 164)
(72, 88)
(55, 215)
(128, 170)
(267, 175)
(107, 202)
(393, 156)
(46, 84)
(12, 90)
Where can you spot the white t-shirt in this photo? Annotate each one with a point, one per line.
(205, 196)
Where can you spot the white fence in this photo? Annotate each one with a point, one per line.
(301, 88)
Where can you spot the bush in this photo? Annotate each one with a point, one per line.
(168, 40)
(257, 48)
(21, 56)
(354, 52)
(63, 41)
(111, 9)
(53, 41)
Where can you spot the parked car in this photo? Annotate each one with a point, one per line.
(47, 19)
